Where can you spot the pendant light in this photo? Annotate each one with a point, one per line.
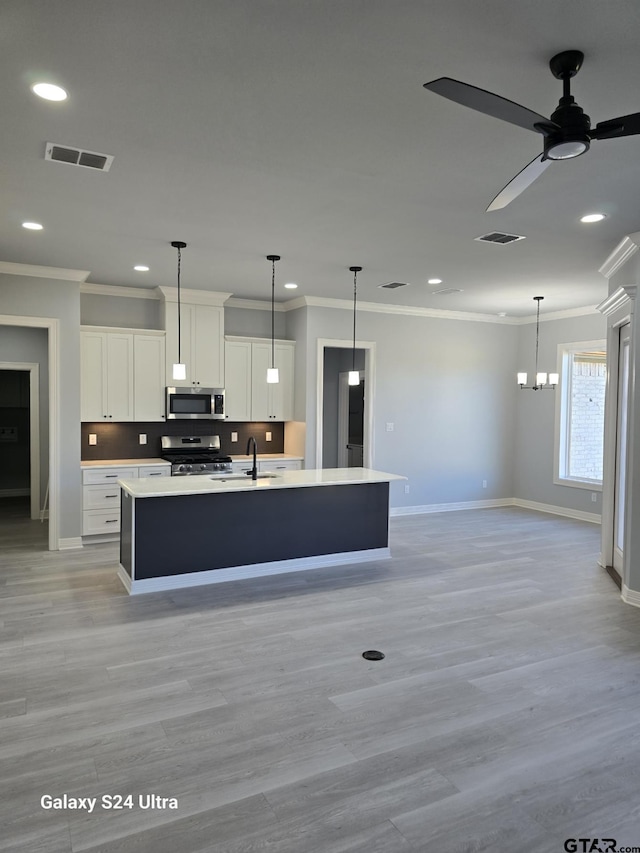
(541, 379)
(272, 372)
(354, 375)
(179, 369)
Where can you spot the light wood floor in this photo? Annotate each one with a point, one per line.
(504, 717)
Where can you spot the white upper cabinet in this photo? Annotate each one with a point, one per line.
(106, 369)
(201, 335)
(122, 375)
(149, 377)
(248, 395)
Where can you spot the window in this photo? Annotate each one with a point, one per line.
(580, 414)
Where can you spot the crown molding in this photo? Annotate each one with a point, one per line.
(8, 268)
(625, 249)
(619, 299)
(407, 310)
(195, 297)
(255, 304)
(115, 290)
(558, 315)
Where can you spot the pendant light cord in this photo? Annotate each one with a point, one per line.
(538, 299)
(179, 318)
(273, 290)
(353, 353)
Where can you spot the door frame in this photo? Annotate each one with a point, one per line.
(51, 324)
(33, 369)
(369, 394)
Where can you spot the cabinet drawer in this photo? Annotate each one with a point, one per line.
(100, 521)
(276, 465)
(93, 476)
(101, 497)
(157, 471)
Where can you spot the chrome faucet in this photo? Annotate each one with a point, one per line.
(254, 471)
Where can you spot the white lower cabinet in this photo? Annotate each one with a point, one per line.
(272, 465)
(101, 495)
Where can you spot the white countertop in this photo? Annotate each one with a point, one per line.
(200, 485)
(120, 463)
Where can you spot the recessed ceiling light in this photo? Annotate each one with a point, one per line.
(32, 226)
(502, 313)
(49, 92)
(593, 217)
(434, 281)
(291, 285)
(141, 268)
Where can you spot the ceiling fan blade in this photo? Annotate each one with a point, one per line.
(488, 103)
(622, 126)
(521, 181)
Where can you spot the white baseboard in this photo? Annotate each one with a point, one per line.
(450, 507)
(14, 493)
(593, 517)
(257, 570)
(630, 596)
(70, 544)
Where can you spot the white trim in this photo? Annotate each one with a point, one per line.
(52, 325)
(630, 596)
(8, 268)
(557, 315)
(257, 570)
(70, 544)
(194, 297)
(256, 304)
(33, 369)
(15, 493)
(592, 517)
(119, 330)
(490, 503)
(369, 394)
(621, 299)
(119, 290)
(625, 249)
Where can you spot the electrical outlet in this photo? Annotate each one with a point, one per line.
(594, 496)
(142, 438)
(268, 437)
(389, 427)
(234, 436)
(93, 438)
(407, 489)
(484, 484)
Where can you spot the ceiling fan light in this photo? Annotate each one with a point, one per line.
(566, 150)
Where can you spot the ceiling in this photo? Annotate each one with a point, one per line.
(301, 128)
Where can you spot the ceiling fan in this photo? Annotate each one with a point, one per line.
(568, 133)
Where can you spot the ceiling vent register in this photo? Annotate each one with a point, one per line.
(499, 237)
(78, 157)
(392, 285)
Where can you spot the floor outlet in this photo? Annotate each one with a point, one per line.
(93, 438)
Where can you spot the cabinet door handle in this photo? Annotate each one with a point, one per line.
(111, 476)
(112, 496)
(111, 520)
(156, 474)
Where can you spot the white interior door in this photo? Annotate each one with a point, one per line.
(621, 448)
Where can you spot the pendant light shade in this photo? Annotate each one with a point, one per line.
(354, 375)
(542, 380)
(179, 369)
(273, 375)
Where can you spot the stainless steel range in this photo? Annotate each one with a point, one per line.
(194, 454)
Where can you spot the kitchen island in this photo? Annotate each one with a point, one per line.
(187, 531)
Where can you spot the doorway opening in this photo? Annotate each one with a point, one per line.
(20, 487)
(344, 423)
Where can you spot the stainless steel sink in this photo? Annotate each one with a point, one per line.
(266, 476)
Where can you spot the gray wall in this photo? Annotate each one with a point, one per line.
(536, 413)
(448, 388)
(18, 344)
(41, 297)
(254, 323)
(119, 311)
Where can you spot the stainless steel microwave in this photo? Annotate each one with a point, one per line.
(206, 404)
